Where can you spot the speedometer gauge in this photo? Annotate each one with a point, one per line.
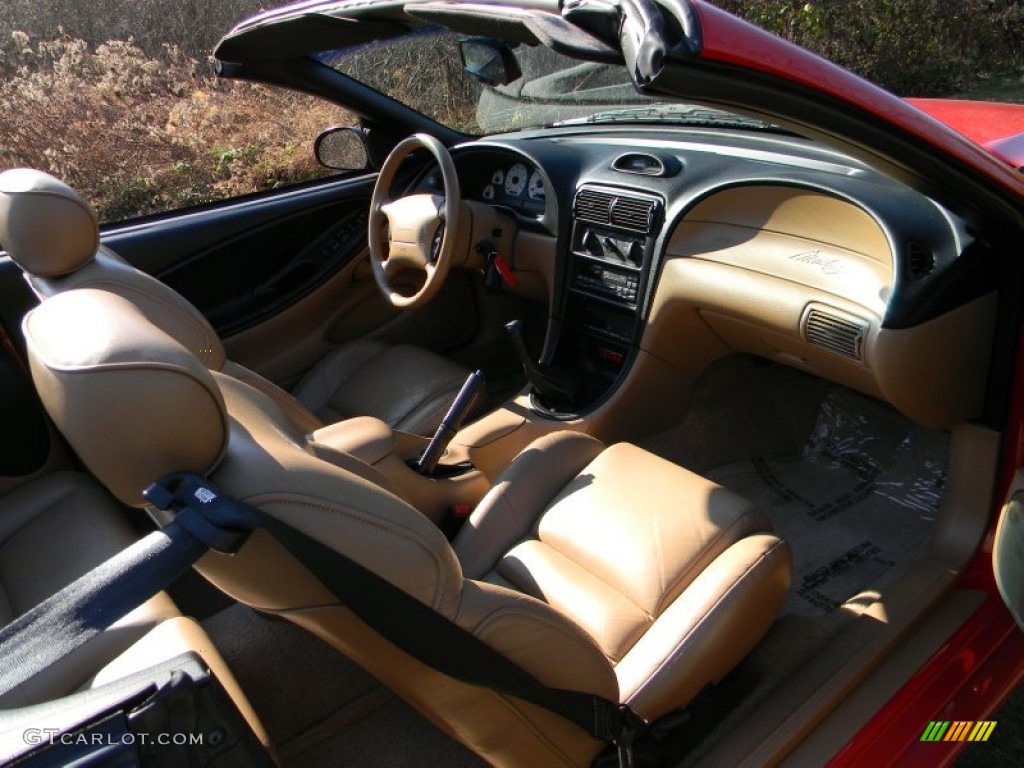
(515, 180)
(536, 188)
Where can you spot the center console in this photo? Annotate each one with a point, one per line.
(609, 270)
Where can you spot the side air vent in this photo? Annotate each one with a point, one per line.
(843, 335)
(920, 261)
(625, 211)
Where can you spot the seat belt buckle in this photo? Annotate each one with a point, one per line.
(629, 725)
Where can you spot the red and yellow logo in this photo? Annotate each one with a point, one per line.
(958, 730)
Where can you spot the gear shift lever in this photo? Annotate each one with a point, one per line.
(545, 383)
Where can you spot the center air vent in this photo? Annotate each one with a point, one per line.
(843, 335)
(598, 206)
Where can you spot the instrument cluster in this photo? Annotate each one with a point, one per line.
(515, 185)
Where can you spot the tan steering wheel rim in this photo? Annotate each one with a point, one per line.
(413, 222)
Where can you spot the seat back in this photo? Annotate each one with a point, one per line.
(135, 405)
(50, 231)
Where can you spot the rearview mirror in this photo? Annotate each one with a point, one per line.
(489, 61)
(342, 148)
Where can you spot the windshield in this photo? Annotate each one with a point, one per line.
(424, 71)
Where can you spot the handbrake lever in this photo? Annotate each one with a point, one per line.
(451, 423)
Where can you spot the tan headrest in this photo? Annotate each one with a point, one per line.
(45, 226)
(133, 402)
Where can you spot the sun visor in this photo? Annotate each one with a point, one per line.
(295, 36)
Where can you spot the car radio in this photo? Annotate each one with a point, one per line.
(599, 279)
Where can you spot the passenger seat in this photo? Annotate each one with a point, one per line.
(55, 529)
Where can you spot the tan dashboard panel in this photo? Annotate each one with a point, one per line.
(934, 373)
(704, 310)
(795, 234)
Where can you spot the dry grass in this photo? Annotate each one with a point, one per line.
(138, 134)
(146, 127)
(912, 47)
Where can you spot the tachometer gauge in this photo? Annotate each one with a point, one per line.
(536, 188)
(498, 177)
(515, 180)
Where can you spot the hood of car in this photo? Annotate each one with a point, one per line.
(999, 128)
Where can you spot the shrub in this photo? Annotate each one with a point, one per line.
(194, 26)
(136, 133)
(912, 47)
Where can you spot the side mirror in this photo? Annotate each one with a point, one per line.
(489, 61)
(342, 148)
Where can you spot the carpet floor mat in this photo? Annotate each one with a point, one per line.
(319, 708)
(861, 496)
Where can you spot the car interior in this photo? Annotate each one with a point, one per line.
(737, 431)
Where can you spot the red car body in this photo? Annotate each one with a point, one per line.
(958, 129)
(983, 662)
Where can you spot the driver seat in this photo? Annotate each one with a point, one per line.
(50, 231)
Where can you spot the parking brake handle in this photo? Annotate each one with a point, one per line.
(451, 422)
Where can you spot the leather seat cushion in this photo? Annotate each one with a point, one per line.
(53, 530)
(408, 387)
(622, 540)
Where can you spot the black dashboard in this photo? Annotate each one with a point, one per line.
(623, 205)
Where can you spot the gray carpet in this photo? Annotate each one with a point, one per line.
(318, 707)
(859, 498)
(742, 408)
(851, 484)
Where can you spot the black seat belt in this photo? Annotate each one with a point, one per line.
(208, 520)
(94, 601)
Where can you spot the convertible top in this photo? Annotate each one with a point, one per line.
(638, 32)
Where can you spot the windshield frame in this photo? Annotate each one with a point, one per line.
(553, 89)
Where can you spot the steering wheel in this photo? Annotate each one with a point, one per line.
(422, 228)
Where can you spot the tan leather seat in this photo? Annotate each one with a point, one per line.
(359, 379)
(56, 528)
(604, 570)
(51, 233)
(53, 530)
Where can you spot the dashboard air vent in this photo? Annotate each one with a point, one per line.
(624, 211)
(838, 334)
(631, 213)
(920, 261)
(594, 206)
